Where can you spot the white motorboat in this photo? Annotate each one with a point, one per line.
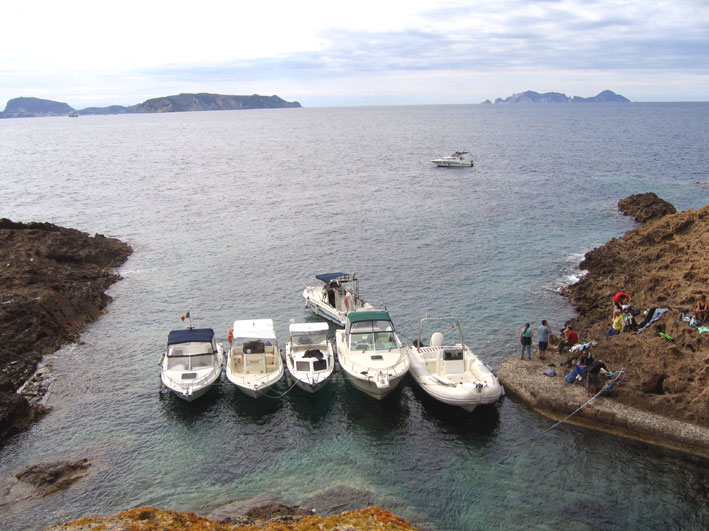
(191, 363)
(334, 300)
(254, 363)
(370, 353)
(456, 160)
(309, 357)
(451, 372)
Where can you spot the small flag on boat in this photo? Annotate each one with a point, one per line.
(186, 316)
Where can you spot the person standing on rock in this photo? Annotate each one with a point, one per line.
(525, 338)
(544, 333)
(594, 380)
(620, 299)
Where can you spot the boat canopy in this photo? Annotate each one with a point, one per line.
(327, 277)
(307, 328)
(190, 335)
(255, 329)
(377, 315)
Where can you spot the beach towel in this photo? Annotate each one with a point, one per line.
(703, 329)
(659, 312)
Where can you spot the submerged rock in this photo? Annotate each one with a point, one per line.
(48, 478)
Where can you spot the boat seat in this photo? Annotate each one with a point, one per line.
(254, 347)
(254, 363)
(436, 339)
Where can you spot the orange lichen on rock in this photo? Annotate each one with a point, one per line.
(152, 519)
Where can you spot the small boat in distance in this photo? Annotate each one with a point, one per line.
(309, 357)
(191, 363)
(451, 373)
(253, 363)
(370, 353)
(333, 300)
(456, 160)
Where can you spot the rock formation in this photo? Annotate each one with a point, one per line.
(645, 207)
(53, 282)
(211, 102)
(278, 517)
(660, 264)
(530, 96)
(34, 107)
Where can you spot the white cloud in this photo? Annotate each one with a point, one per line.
(88, 52)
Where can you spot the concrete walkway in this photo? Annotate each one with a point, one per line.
(555, 398)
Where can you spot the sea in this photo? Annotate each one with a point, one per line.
(231, 213)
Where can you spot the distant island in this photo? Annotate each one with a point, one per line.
(35, 107)
(530, 96)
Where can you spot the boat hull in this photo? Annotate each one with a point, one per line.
(466, 394)
(452, 163)
(255, 387)
(186, 393)
(370, 388)
(325, 311)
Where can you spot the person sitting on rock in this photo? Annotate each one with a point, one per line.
(700, 312)
(571, 337)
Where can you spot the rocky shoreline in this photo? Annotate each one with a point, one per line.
(53, 283)
(664, 397)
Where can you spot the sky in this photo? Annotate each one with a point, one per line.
(360, 52)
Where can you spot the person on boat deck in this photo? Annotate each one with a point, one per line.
(525, 338)
(544, 333)
(571, 337)
(620, 299)
(700, 312)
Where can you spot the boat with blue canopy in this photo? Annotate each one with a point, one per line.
(191, 363)
(336, 297)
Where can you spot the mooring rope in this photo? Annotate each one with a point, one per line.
(608, 387)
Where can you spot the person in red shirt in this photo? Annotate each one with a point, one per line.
(621, 298)
(571, 337)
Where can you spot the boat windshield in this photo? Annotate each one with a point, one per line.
(372, 341)
(190, 356)
(310, 339)
(193, 348)
(371, 326)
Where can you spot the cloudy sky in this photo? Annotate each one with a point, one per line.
(358, 52)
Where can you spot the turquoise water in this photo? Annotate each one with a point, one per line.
(231, 213)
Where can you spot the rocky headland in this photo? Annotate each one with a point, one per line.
(53, 282)
(664, 397)
(36, 107)
(530, 96)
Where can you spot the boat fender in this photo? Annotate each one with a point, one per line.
(159, 382)
(230, 338)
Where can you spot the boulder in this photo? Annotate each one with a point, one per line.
(645, 207)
